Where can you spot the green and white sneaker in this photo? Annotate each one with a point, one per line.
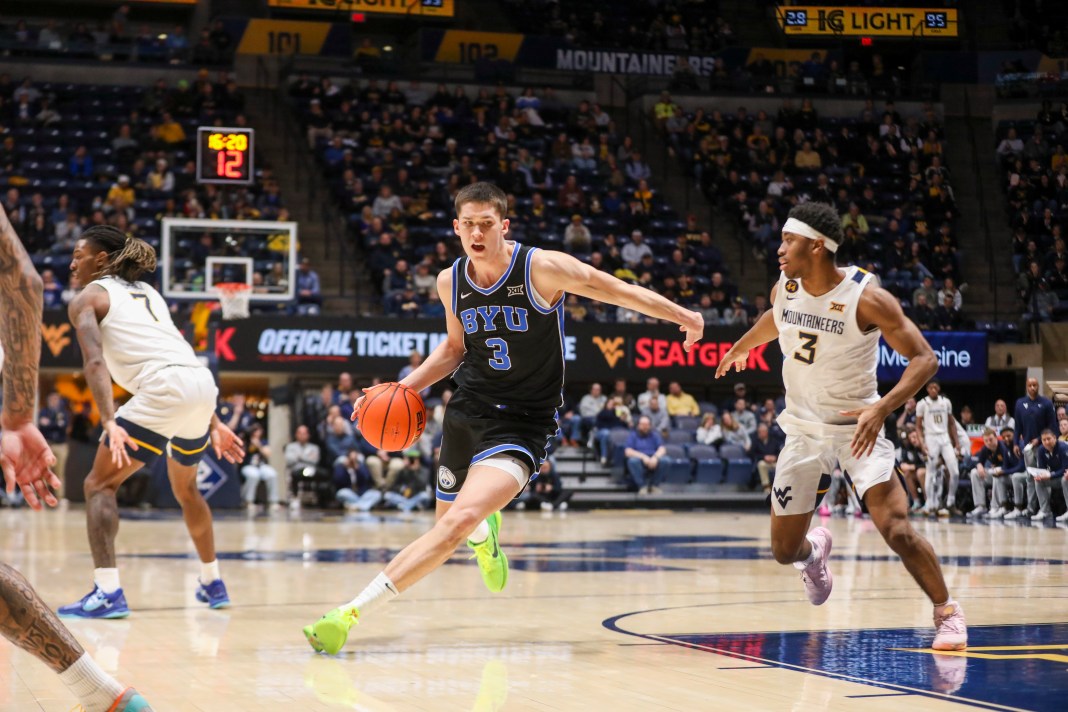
(491, 560)
(329, 633)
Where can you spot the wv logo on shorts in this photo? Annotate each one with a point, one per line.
(611, 349)
(783, 495)
(446, 479)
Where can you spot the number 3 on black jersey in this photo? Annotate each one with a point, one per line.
(500, 360)
(808, 347)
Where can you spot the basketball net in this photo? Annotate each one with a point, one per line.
(233, 299)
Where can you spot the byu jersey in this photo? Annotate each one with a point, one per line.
(937, 416)
(514, 342)
(828, 363)
(138, 335)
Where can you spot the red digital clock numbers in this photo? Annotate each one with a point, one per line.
(225, 155)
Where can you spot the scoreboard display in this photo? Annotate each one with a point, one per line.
(225, 155)
(867, 21)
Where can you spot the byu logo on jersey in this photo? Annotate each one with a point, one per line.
(445, 478)
(485, 318)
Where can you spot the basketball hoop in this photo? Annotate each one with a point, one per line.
(233, 298)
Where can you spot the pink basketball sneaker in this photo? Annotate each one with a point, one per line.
(816, 576)
(952, 630)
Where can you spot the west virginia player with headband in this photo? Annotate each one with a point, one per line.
(506, 346)
(828, 321)
(126, 333)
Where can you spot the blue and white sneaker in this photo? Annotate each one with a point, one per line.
(214, 594)
(97, 604)
(130, 701)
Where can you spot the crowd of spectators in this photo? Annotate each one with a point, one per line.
(684, 27)
(117, 39)
(73, 156)
(1033, 162)
(397, 156)
(885, 174)
(1038, 24)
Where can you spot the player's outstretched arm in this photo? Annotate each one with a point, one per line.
(24, 453)
(449, 354)
(556, 272)
(880, 309)
(762, 332)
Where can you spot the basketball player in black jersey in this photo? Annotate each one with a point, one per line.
(506, 346)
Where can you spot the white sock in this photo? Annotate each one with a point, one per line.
(811, 555)
(480, 534)
(107, 579)
(378, 591)
(94, 688)
(209, 572)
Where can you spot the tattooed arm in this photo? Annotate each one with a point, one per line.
(24, 454)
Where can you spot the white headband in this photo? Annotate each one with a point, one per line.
(805, 230)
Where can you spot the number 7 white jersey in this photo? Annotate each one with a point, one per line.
(937, 416)
(138, 336)
(829, 364)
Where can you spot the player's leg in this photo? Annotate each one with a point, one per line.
(182, 473)
(949, 456)
(29, 624)
(486, 491)
(800, 469)
(979, 483)
(107, 599)
(873, 476)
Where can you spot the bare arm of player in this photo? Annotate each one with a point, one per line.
(556, 272)
(880, 309)
(24, 453)
(85, 312)
(445, 358)
(762, 332)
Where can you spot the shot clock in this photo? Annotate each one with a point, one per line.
(225, 155)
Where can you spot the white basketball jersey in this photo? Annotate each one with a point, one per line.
(828, 363)
(138, 335)
(936, 415)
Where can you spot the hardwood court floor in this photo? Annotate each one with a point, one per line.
(604, 611)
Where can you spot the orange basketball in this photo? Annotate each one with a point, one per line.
(392, 417)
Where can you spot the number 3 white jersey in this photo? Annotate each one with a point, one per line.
(936, 415)
(829, 364)
(138, 335)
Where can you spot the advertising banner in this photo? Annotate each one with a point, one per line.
(962, 357)
(819, 21)
(421, 8)
(381, 347)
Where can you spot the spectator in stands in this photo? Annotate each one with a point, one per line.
(656, 414)
(81, 163)
(577, 236)
(411, 489)
(995, 467)
(53, 290)
(386, 202)
(765, 453)
(168, 132)
(1052, 465)
(309, 295)
(855, 220)
(807, 159)
(302, 460)
(54, 422)
(663, 109)
(635, 250)
(913, 463)
(571, 197)
(620, 393)
(652, 390)
(1001, 418)
(922, 314)
(1010, 148)
(339, 437)
(121, 194)
(733, 433)
(643, 450)
(637, 169)
(946, 316)
(613, 416)
(744, 416)
(709, 432)
(547, 490)
(1033, 414)
(736, 314)
(679, 402)
(353, 484)
(589, 407)
(256, 469)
